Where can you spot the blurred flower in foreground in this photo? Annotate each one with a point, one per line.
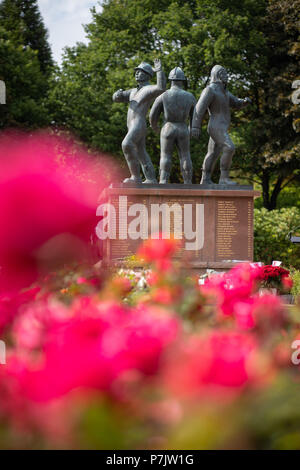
(48, 200)
(235, 286)
(287, 282)
(236, 296)
(104, 362)
(219, 362)
(93, 349)
(159, 252)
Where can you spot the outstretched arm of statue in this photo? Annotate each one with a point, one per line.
(200, 110)
(237, 102)
(121, 96)
(155, 113)
(161, 78)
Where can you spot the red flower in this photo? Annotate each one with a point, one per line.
(271, 272)
(159, 252)
(163, 295)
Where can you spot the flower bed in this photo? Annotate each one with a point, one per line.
(106, 362)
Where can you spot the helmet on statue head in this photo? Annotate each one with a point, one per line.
(145, 68)
(177, 74)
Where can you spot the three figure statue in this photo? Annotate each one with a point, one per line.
(178, 106)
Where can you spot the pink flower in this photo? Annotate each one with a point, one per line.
(268, 313)
(94, 349)
(10, 305)
(232, 288)
(219, 360)
(53, 419)
(48, 207)
(31, 326)
(265, 313)
(243, 313)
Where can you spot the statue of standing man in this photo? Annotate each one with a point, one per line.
(218, 101)
(139, 100)
(178, 107)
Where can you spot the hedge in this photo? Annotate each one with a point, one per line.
(271, 242)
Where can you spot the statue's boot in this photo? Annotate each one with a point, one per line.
(206, 178)
(133, 179)
(224, 178)
(134, 168)
(164, 177)
(149, 173)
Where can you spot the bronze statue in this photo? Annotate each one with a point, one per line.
(140, 99)
(177, 106)
(218, 100)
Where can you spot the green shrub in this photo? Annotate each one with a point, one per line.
(295, 275)
(288, 197)
(271, 242)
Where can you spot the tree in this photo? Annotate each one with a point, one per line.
(25, 86)
(23, 20)
(25, 64)
(245, 36)
(270, 137)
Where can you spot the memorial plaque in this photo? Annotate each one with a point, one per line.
(215, 227)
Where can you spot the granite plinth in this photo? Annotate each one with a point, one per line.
(215, 223)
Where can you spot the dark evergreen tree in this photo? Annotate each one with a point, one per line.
(23, 20)
(26, 85)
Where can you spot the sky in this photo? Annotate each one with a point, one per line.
(64, 20)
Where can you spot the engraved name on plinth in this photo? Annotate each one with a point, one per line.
(226, 222)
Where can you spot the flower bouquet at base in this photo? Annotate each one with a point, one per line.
(275, 279)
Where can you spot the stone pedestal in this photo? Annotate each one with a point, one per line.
(215, 223)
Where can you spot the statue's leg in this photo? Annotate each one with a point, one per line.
(213, 152)
(130, 151)
(183, 145)
(226, 160)
(145, 161)
(166, 150)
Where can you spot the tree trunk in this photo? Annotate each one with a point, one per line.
(270, 197)
(275, 193)
(266, 189)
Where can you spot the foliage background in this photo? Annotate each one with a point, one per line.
(271, 233)
(257, 40)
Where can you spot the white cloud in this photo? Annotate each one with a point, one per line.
(64, 20)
